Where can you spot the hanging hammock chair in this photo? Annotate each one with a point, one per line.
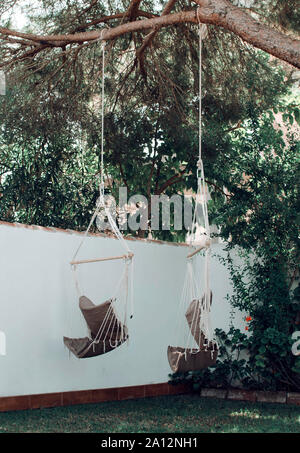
(200, 350)
(107, 321)
(194, 324)
(107, 332)
(205, 352)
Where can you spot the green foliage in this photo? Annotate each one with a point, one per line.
(261, 219)
(49, 155)
(258, 217)
(50, 118)
(45, 174)
(296, 367)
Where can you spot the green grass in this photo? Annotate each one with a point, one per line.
(168, 414)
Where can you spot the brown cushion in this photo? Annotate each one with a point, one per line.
(182, 360)
(193, 316)
(84, 347)
(96, 315)
(104, 326)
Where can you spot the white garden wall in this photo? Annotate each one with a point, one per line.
(39, 305)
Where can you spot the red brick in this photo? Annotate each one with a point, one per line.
(2, 222)
(14, 403)
(100, 395)
(157, 389)
(29, 227)
(179, 389)
(60, 230)
(43, 228)
(96, 234)
(45, 400)
(126, 393)
(77, 397)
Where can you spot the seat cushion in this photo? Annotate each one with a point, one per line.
(182, 360)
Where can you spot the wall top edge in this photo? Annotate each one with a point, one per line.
(103, 235)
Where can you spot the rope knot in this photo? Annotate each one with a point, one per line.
(101, 35)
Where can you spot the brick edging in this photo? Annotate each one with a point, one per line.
(59, 399)
(252, 395)
(44, 400)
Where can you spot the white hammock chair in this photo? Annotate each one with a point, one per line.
(106, 322)
(194, 324)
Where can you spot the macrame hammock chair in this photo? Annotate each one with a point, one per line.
(200, 350)
(106, 322)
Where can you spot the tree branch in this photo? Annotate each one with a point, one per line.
(105, 19)
(173, 180)
(132, 10)
(217, 12)
(149, 38)
(222, 13)
(107, 34)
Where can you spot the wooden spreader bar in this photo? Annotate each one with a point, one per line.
(207, 244)
(109, 258)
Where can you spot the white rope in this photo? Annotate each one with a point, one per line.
(205, 323)
(201, 195)
(101, 204)
(200, 92)
(190, 292)
(193, 295)
(86, 233)
(128, 262)
(180, 325)
(109, 322)
(201, 186)
(102, 123)
(116, 231)
(200, 323)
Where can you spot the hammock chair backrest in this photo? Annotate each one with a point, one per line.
(101, 319)
(193, 317)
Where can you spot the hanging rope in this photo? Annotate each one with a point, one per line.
(201, 194)
(200, 91)
(101, 188)
(113, 328)
(200, 319)
(101, 204)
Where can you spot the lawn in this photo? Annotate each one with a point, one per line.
(169, 414)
